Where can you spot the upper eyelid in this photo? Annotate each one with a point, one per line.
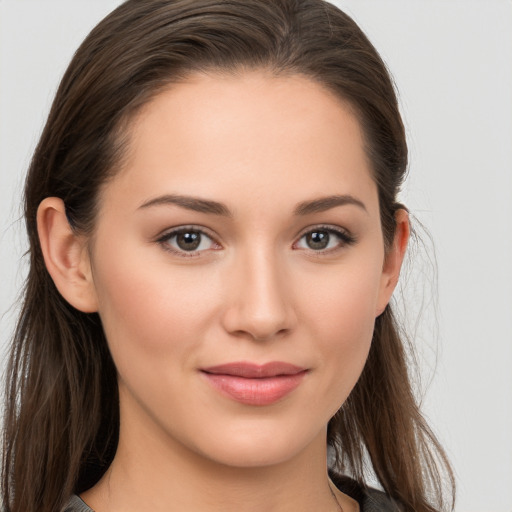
(326, 227)
(168, 232)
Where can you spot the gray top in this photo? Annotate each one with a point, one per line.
(75, 504)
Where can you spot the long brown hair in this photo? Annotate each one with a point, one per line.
(62, 414)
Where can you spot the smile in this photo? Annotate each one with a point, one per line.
(253, 384)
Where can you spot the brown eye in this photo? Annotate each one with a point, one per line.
(317, 240)
(188, 240)
(324, 239)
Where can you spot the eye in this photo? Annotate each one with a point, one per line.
(187, 241)
(324, 239)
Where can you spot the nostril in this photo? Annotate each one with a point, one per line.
(243, 324)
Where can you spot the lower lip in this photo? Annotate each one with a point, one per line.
(264, 391)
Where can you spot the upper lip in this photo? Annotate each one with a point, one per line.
(254, 371)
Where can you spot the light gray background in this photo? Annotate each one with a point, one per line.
(452, 61)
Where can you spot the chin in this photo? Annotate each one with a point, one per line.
(260, 447)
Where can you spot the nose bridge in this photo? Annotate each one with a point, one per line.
(260, 305)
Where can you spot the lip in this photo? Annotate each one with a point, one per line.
(254, 384)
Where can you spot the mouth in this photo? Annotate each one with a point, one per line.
(253, 384)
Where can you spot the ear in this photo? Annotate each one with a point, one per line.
(66, 256)
(393, 260)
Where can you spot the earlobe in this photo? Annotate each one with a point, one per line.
(394, 259)
(65, 255)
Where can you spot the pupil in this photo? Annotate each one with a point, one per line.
(318, 240)
(188, 241)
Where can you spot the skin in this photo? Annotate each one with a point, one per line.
(253, 291)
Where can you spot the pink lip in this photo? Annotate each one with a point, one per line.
(254, 384)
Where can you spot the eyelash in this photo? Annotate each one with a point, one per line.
(345, 239)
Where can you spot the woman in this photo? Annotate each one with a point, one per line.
(215, 238)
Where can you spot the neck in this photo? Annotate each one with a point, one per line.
(155, 472)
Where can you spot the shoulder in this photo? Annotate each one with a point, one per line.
(369, 499)
(75, 504)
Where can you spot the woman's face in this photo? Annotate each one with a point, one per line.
(238, 266)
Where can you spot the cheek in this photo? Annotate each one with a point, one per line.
(345, 302)
(342, 319)
(347, 334)
(150, 308)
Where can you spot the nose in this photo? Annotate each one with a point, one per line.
(259, 305)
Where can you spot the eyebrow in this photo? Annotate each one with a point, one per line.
(197, 204)
(326, 203)
(190, 203)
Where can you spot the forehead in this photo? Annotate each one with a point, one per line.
(225, 136)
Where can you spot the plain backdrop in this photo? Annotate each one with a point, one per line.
(452, 62)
